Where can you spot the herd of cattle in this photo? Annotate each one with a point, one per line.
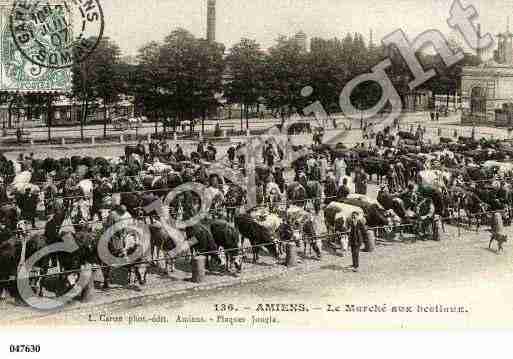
(460, 180)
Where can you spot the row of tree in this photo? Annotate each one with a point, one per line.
(184, 77)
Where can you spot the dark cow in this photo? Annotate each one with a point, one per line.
(228, 237)
(9, 216)
(296, 193)
(258, 235)
(439, 197)
(375, 216)
(9, 260)
(203, 242)
(161, 241)
(313, 191)
(135, 149)
(375, 166)
(394, 203)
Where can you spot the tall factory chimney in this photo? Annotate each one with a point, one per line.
(211, 21)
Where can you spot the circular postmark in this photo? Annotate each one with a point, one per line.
(56, 33)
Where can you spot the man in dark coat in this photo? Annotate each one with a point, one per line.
(97, 200)
(153, 149)
(231, 154)
(201, 148)
(179, 152)
(212, 150)
(361, 180)
(356, 238)
(28, 205)
(343, 191)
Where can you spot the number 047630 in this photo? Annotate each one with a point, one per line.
(25, 348)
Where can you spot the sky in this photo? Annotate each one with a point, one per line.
(133, 23)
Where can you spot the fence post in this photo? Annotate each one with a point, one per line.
(497, 224)
(87, 294)
(291, 255)
(370, 245)
(198, 269)
(437, 228)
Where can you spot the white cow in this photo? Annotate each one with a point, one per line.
(339, 211)
(87, 188)
(435, 177)
(17, 167)
(364, 198)
(159, 167)
(336, 210)
(504, 168)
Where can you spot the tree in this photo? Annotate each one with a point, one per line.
(96, 78)
(285, 75)
(191, 75)
(245, 64)
(145, 81)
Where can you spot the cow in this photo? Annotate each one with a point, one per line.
(135, 149)
(258, 235)
(161, 241)
(226, 236)
(375, 214)
(336, 215)
(303, 228)
(375, 166)
(296, 193)
(202, 242)
(435, 178)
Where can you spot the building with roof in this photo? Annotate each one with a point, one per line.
(487, 90)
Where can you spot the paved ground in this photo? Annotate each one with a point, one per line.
(458, 272)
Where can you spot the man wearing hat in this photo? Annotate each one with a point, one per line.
(28, 205)
(426, 212)
(361, 180)
(344, 191)
(323, 167)
(409, 197)
(120, 218)
(97, 199)
(357, 235)
(340, 169)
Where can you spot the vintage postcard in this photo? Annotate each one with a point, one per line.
(228, 164)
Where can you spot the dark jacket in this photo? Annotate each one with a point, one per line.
(343, 192)
(357, 234)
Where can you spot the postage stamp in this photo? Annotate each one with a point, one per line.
(56, 34)
(20, 74)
